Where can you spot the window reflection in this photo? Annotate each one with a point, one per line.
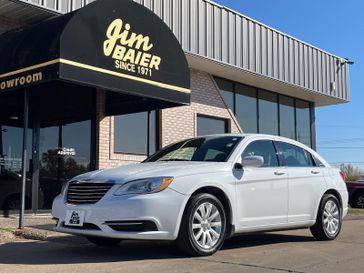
(246, 108)
(11, 144)
(268, 113)
(287, 117)
(303, 122)
(131, 133)
(210, 125)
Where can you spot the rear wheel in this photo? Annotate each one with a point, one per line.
(103, 241)
(357, 201)
(329, 220)
(203, 226)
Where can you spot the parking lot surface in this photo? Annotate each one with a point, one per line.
(287, 251)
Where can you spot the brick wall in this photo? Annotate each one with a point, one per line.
(176, 123)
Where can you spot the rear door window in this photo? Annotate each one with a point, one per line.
(294, 156)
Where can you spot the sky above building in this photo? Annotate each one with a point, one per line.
(335, 26)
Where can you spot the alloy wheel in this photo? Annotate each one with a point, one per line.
(206, 225)
(331, 217)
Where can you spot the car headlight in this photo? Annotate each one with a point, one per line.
(144, 186)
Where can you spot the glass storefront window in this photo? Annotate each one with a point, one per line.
(246, 108)
(287, 117)
(211, 125)
(303, 122)
(65, 152)
(131, 133)
(268, 113)
(11, 144)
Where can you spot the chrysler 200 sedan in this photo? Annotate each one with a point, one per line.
(200, 191)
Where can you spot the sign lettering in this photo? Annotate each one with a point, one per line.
(130, 49)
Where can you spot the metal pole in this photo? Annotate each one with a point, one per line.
(24, 158)
(149, 123)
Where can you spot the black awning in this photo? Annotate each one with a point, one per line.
(115, 45)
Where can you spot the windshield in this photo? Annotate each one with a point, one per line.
(217, 149)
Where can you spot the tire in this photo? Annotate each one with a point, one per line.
(329, 219)
(357, 201)
(203, 227)
(103, 241)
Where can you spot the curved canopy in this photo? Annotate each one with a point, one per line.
(115, 45)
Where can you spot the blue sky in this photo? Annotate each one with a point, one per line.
(336, 26)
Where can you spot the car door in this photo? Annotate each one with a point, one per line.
(306, 182)
(262, 192)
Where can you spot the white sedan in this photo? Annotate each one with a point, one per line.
(202, 190)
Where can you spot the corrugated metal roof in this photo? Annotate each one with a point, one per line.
(222, 35)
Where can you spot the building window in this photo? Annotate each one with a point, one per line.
(261, 111)
(207, 125)
(303, 122)
(287, 117)
(268, 113)
(131, 133)
(246, 108)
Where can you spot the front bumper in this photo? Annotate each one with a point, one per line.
(164, 209)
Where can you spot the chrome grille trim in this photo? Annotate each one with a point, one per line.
(86, 192)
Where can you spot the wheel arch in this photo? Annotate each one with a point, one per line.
(224, 199)
(337, 195)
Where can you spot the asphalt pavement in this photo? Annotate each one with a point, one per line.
(288, 251)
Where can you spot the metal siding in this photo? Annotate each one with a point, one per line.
(218, 34)
(245, 44)
(238, 42)
(232, 38)
(264, 57)
(211, 30)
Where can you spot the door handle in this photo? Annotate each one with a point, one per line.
(315, 172)
(279, 173)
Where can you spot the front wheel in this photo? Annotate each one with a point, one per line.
(103, 241)
(329, 220)
(203, 226)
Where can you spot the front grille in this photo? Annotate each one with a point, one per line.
(82, 192)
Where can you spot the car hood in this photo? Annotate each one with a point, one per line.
(153, 169)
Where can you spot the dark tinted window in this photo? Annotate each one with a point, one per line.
(286, 117)
(303, 122)
(268, 113)
(264, 148)
(210, 125)
(294, 156)
(131, 133)
(227, 89)
(246, 108)
(198, 149)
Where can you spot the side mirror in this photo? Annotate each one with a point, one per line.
(238, 166)
(253, 161)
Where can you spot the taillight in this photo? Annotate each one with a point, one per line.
(343, 176)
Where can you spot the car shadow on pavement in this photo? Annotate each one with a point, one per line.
(75, 250)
